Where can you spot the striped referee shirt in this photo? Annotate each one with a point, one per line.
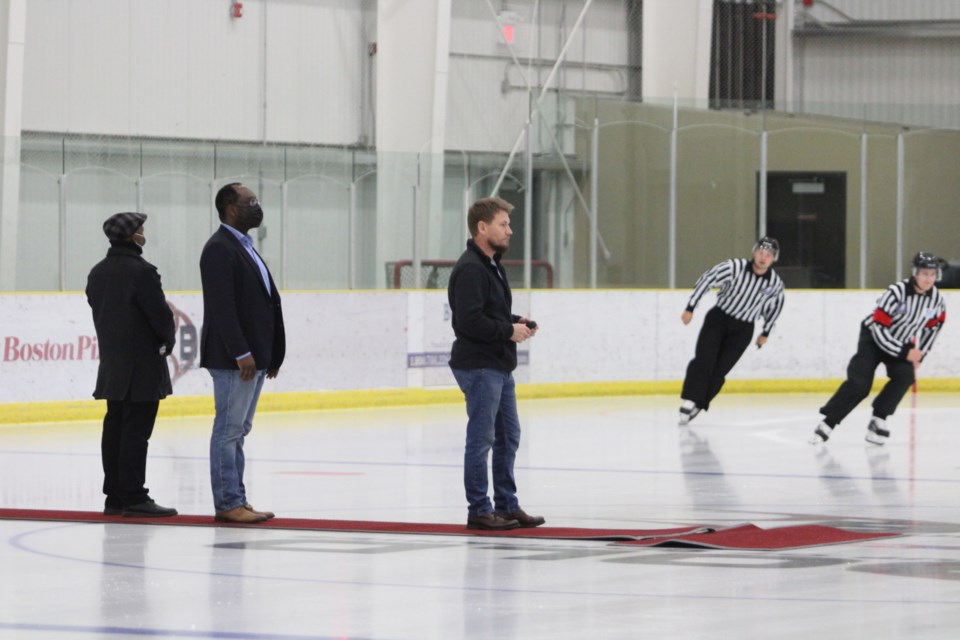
(903, 315)
(743, 294)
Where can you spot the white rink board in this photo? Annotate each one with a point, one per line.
(396, 339)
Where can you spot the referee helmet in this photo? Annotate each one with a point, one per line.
(924, 260)
(768, 244)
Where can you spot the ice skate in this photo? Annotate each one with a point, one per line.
(821, 434)
(877, 431)
(688, 411)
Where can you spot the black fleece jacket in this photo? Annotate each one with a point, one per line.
(480, 303)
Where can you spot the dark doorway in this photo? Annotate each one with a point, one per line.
(807, 213)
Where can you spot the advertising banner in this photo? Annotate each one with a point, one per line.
(402, 339)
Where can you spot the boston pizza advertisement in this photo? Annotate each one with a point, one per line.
(335, 341)
(50, 349)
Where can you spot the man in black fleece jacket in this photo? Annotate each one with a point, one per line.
(483, 357)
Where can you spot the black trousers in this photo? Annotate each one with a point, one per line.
(860, 372)
(721, 343)
(123, 448)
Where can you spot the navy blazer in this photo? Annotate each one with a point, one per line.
(239, 316)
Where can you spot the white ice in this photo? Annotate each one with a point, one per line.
(595, 462)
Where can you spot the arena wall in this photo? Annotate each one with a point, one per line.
(374, 348)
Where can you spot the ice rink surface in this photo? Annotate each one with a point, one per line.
(593, 462)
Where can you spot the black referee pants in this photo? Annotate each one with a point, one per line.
(860, 372)
(721, 343)
(123, 447)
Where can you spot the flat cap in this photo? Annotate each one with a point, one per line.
(121, 226)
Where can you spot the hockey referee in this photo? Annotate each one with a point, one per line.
(748, 289)
(899, 333)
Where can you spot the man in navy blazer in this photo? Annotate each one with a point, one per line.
(242, 342)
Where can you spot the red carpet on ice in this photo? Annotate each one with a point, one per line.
(745, 536)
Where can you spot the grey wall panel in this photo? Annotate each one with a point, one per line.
(186, 69)
(910, 81)
(892, 9)
(487, 98)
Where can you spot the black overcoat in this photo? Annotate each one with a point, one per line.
(239, 316)
(133, 321)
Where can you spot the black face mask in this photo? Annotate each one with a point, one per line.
(251, 216)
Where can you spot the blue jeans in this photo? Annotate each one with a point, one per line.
(492, 422)
(236, 402)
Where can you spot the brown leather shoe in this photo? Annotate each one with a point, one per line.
(526, 521)
(269, 514)
(491, 522)
(240, 515)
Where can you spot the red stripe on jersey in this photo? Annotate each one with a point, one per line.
(880, 317)
(938, 320)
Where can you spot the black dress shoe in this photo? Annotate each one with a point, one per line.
(112, 511)
(491, 522)
(148, 509)
(524, 520)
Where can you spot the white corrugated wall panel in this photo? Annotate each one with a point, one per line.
(178, 68)
(484, 113)
(480, 117)
(185, 68)
(892, 9)
(314, 71)
(909, 81)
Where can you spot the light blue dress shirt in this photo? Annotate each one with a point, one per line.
(247, 243)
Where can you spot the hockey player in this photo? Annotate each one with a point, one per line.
(748, 289)
(899, 333)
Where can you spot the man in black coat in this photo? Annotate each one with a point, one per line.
(242, 342)
(135, 333)
(483, 358)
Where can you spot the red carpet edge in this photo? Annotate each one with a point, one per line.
(746, 536)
